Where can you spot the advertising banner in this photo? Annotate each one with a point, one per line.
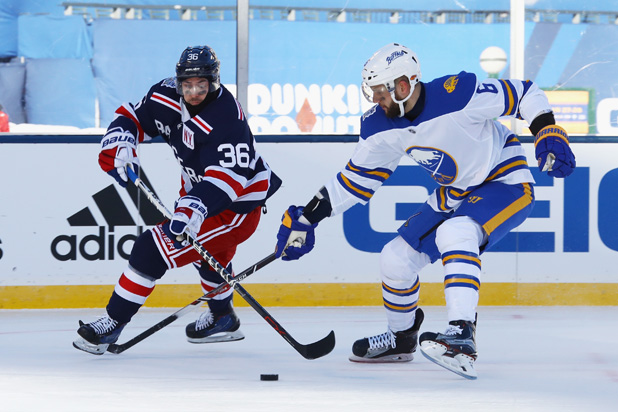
(65, 222)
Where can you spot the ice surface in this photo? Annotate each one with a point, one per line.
(530, 359)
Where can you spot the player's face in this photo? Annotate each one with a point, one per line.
(195, 89)
(382, 96)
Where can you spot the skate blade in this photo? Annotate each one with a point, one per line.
(219, 337)
(460, 364)
(86, 346)
(401, 357)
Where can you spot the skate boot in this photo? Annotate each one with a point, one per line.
(389, 346)
(215, 328)
(95, 337)
(454, 349)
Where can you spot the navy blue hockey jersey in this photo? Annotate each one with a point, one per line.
(215, 148)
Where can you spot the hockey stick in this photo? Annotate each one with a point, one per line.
(116, 349)
(310, 351)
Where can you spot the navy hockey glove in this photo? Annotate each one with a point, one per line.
(118, 149)
(553, 153)
(188, 216)
(296, 235)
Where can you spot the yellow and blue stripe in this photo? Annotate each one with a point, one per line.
(511, 100)
(461, 256)
(403, 295)
(508, 166)
(464, 281)
(361, 192)
(511, 210)
(380, 174)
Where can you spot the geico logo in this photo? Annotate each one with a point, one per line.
(93, 247)
(580, 197)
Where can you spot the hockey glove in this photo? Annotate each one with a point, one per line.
(188, 216)
(296, 235)
(118, 149)
(552, 151)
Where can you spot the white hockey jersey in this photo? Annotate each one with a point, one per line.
(454, 137)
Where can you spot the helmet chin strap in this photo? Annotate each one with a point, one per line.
(403, 101)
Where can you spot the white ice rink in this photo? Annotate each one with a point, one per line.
(530, 359)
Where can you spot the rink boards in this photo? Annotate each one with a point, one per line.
(66, 230)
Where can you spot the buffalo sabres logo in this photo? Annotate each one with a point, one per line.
(450, 84)
(439, 164)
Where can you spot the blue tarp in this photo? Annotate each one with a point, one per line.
(132, 55)
(60, 92)
(12, 81)
(53, 37)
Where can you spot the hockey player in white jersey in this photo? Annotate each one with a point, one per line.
(486, 189)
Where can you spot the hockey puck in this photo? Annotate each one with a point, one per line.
(264, 377)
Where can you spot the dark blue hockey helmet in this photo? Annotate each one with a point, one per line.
(198, 61)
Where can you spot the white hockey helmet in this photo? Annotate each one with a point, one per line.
(385, 66)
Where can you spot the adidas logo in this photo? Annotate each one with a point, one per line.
(104, 245)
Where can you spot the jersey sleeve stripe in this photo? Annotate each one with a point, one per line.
(128, 112)
(166, 101)
(379, 174)
(359, 191)
(509, 98)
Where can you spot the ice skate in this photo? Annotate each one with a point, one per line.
(95, 337)
(454, 349)
(214, 328)
(390, 346)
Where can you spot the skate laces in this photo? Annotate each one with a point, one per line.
(380, 341)
(104, 325)
(205, 320)
(453, 330)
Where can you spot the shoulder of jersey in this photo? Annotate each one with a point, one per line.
(164, 93)
(223, 110)
(375, 121)
(448, 94)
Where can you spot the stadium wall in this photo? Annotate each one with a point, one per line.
(65, 235)
(296, 84)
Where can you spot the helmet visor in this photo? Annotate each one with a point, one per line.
(374, 94)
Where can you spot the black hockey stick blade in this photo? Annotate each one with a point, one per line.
(318, 349)
(311, 351)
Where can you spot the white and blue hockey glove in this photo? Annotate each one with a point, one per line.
(118, 149)
(296, 236)
(552, 151)
(188, 217)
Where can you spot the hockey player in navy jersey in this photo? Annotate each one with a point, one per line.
(486, 189)
(224, 185)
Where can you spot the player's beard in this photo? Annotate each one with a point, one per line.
(392, 111)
